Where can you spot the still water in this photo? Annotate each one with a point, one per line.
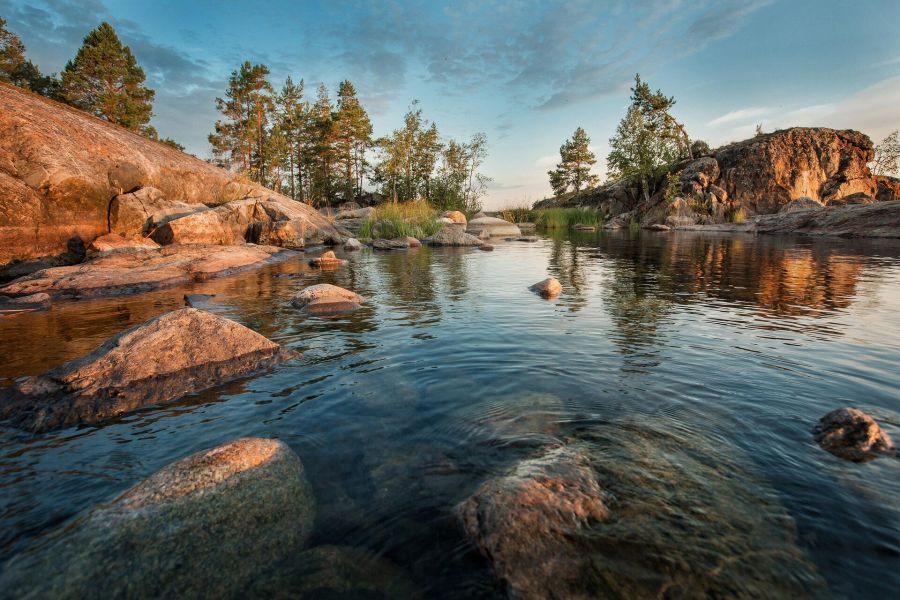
(727, 349)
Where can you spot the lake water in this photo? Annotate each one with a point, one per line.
(725, 348)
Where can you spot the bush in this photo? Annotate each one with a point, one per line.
(516, 214)
(416, 218)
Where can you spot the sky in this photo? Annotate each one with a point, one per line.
(526, 73)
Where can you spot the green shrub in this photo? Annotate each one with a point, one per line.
(566, 218)
(417, 219)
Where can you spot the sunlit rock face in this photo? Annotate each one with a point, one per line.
(180, 352)
(204, 526)
(60, 170)
(640, 511)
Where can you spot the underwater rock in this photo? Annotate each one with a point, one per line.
(178, 353)
(548, 288)
(524, 522)
(202, 527)
(334, 572)
(851, 434)
(680, 518)
(327, 260)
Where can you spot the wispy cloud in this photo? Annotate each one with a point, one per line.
(736, 116)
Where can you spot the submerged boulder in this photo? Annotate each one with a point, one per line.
(852, 434)
(327, 260)
(453, 235)
(178, 353)
(548, 288)
(525, 522)
(325, 299)
(204, 526)
(494, 226)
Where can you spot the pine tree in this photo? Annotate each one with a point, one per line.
(648, 140)
(574, 169)
(353, 137)
(322, 134)
(105, 80)
(290, 119)
(17, 69)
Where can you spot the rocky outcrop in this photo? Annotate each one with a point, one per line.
(205, 526)
(122, 273)
(525, 522)
(493, 226)
(548, 288)
(178, 353)
(888, 189)
(62, 170)
(852, 434)
(325, 299)
(114, 242)
(803, 203)
(453, 235)
(143, 210)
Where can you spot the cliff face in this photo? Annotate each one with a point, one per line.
(61, 168)
(754, 177)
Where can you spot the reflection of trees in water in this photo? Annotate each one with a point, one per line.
(453, 265)
(567, 265)
(410, 285)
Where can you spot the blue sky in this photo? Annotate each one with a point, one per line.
(526, 73)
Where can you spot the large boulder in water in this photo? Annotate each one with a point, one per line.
(548, 288)
(638, 511)
(203, 527)
(494, 226)
(523, 522)
(453, 235)
(326, 299)
(852, 434)
(162, 359)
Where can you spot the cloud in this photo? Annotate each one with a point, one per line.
(738, 115)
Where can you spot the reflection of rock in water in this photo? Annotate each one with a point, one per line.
(201, 527)
(335, 572)
(683, 520)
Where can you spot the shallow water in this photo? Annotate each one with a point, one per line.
(454, 371)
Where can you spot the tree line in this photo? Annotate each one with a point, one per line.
(322, 151)
(315, 149)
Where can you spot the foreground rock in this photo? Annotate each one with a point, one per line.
(39, 301)
(203, 527)
(638, 511)
(334, 572)
(524, 522)
(178, 353)
(453, 235)
(852, 434)
(124, 273)
(325, 299)
(399, 243)
(114, 242)
(493, 226)
(548, 288)
(60, 168)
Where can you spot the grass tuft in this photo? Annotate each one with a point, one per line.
(416, 218)
(566, 218)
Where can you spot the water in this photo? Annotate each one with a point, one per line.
(726, 348)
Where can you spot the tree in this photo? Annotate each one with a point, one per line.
(648, 140)
(459, 185)
(290, 119)
(105, 80)
(18, 70)
(408, 158)
(172, 144)
(887, 156)
(321, 136)
(353, 137)
(574, 167)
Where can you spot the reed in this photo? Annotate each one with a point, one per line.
(416, 218)
(566, 218)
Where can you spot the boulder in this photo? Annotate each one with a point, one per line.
(525, 226)
(804, 203)
(494, 226)
(205, 526)
(399, 243)
(445, 221)
(357, 213)
(523, 238)
(61, 167)
(527, 523)
(290, 233)
(479, 215)
(352, 245)
(852, 434)
(703, 171)
(852, 200)
(583, 227)
(325, 299)
(178, 353)
(327, 260)
(334, 572)
(486, 247)
(39, 301)
(129, 272)
(657, 227)
(548, 288)
(140, 211)
(455, 216)
(114, 242)
(453, 235)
